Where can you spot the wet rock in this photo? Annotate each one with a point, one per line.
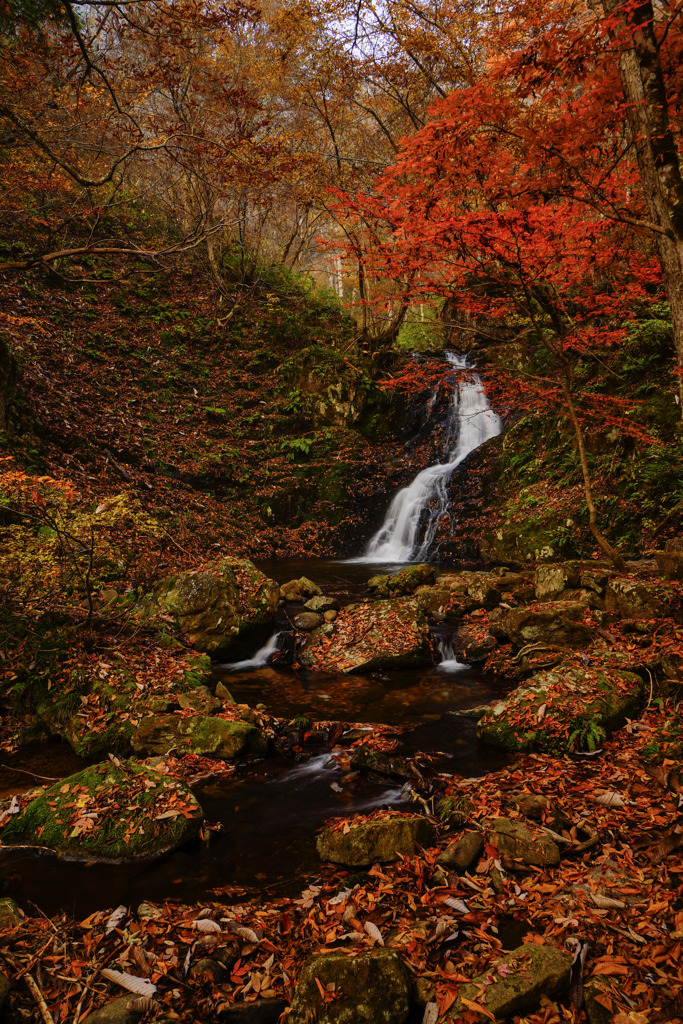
(532, 972)
(108, 812)
(670, 560)
(404, 582)
(291, 591)
(532, 805)
(308, 588)
(4, 989)
(368, 842)
(476, 647)
(120, 1011)
(10, 915)
(308, 621)
(199, 699)
(224, 695)
(215, 970)
(432, 600)
(549, 582)
(553, 623)
(368, 760)
(374, 986)
(263, 1011)
(370, 637)
(554, 710)
(217, 605)
(514, 839)
(635, 599)
(463, 854)
(330, 616)
(483, 594)
(322, 604)
(198, 734)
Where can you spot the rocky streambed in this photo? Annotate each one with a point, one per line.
(436, 844)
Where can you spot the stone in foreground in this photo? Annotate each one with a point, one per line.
(515, 839)
(110, 812)
(519, 982)
(463, 853)
(369, 842)
(368, 988)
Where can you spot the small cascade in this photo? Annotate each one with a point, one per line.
(261, 658)
(472, 422)
(448, 661)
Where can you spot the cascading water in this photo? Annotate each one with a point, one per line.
(261, 657)
(472, 421)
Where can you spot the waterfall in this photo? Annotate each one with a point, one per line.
(261, 657)
(472, 422)
(448, 662)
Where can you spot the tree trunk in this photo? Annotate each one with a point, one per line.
(644, 87)
(602, 541)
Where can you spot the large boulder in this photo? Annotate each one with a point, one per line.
(670, 560)
(404, 582)
(556, 623)
(517, 982)
(514, 839)
(372, 987)
(215, 606)
(369, 637)
(359, 843)
(638, 599)
(109, 812)
(198, 734)
(561, 710)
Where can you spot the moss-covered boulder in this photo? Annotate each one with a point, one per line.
(372, 987)
(198, 734)
(556, 623)
(357, 843)
(215, 606)
(404, 582)
(562, 710)
(124, 811)
(637, 599)
(369, 637)
(517, 982)
(10, 915)
(514, 839)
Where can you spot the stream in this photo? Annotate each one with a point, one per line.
(269, 811)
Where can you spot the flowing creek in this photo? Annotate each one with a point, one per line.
(269, 812)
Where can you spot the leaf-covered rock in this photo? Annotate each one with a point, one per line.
(559, 710)
(124, 811)
(519, 981)
(372, 987)
(553, 622)
(379, 635)
(637, 599)
(514, 839)
(358, 843)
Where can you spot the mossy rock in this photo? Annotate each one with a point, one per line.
(215, 606)
(404, 582)
(198, 734)
(370, 637)
(368, 842)
(529, 973)
(110, 812)
(10, 915)
(514, 839)
(372, 987)
(557, 623)
(637, 599)
(554, 706)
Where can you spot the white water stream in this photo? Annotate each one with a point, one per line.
(260, 658)
(472, 421)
